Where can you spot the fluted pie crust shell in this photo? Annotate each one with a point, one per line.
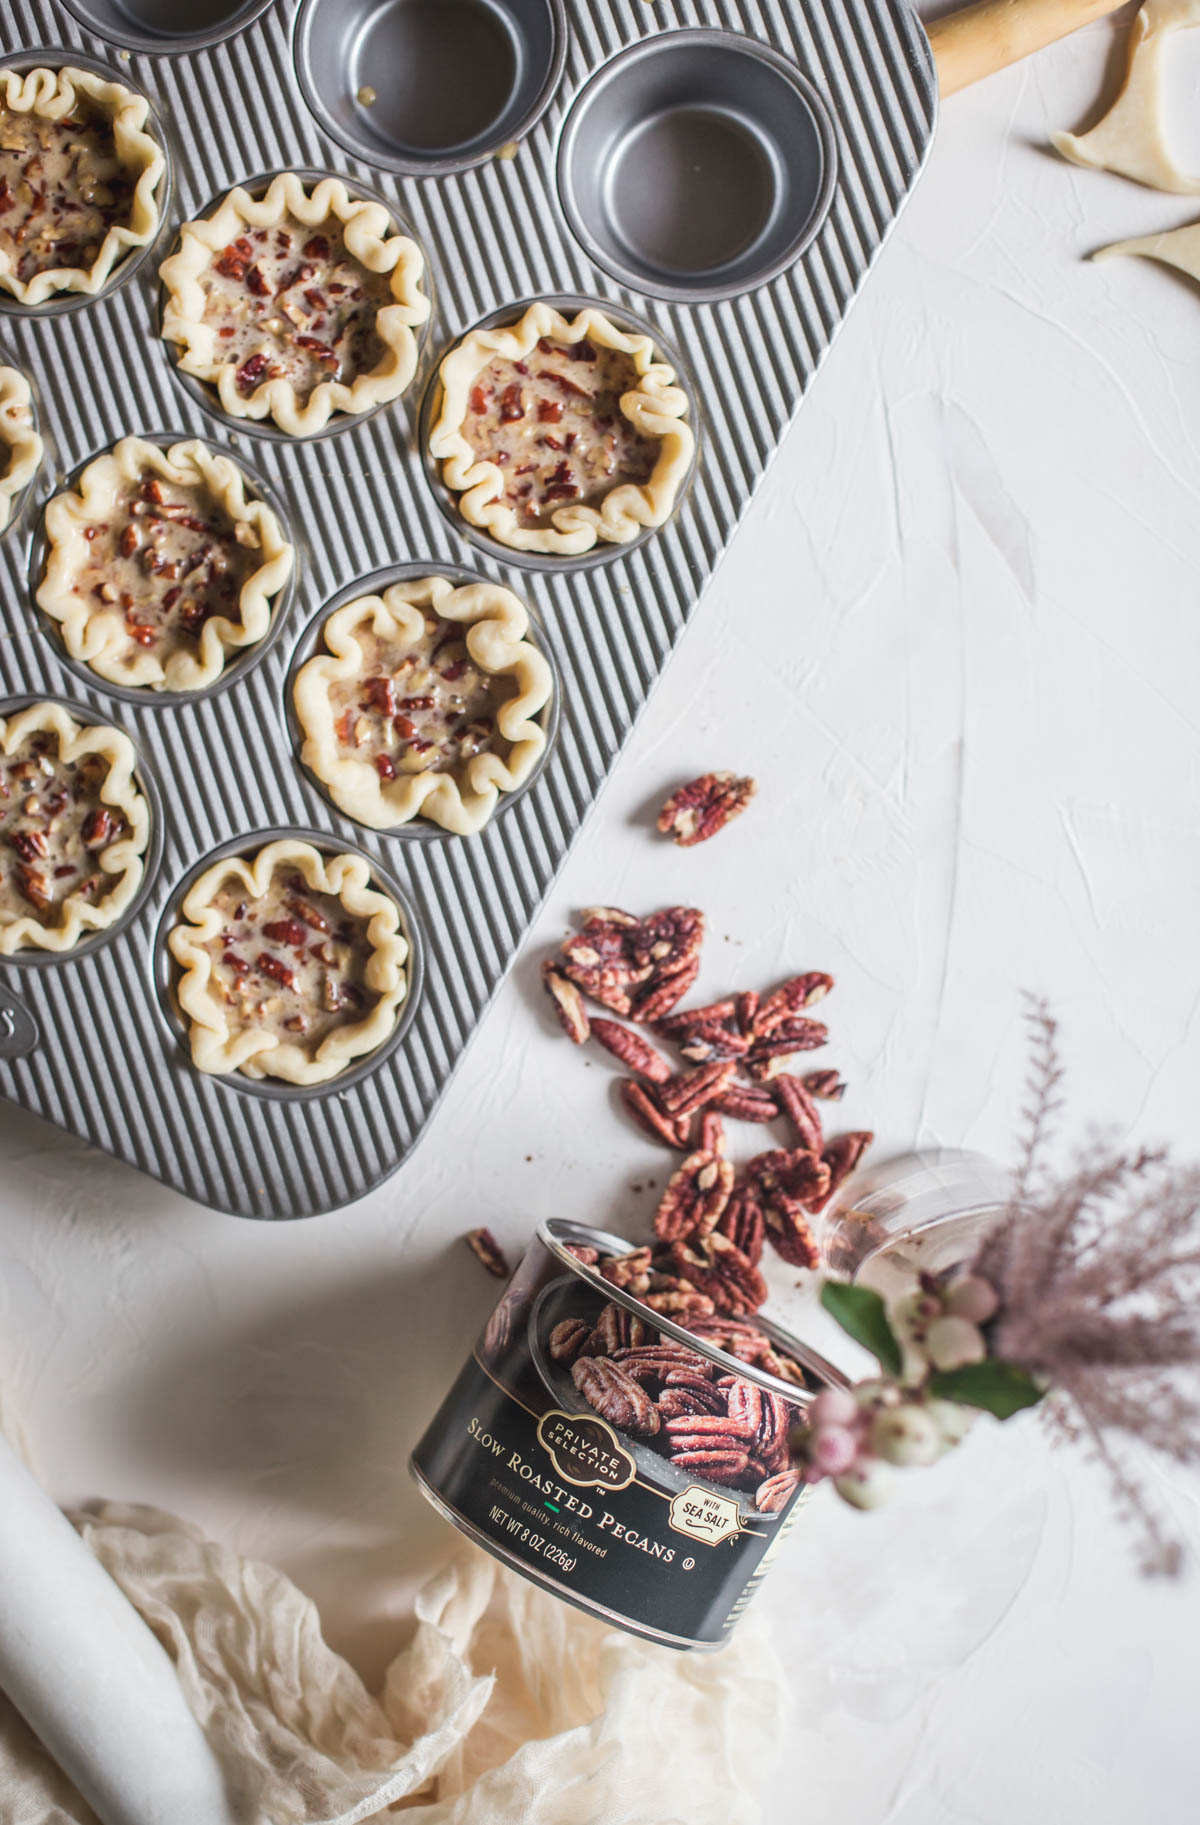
(124, 860)
(215, 1048)
(53, 94)
(21, 447)
(462, 799)
(371, 240)
(655, 407)
(96, 633)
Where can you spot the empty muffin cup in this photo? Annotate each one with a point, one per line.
(426, 87)
(166, 26)
(696, 165)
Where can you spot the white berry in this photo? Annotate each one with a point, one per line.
(866, 1485)
(972, 1298)
(833, 1407)
(906, 1435)
(833, 1450)
(952, 1343)
(952, 1420)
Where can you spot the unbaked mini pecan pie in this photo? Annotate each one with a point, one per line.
(20, 446)
(297, 304)
(557, 435)
(293, 964)
(74, 826)
(425, 705)
(78, 176)
(159, 565)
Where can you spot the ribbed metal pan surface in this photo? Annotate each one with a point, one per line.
(108, 1064)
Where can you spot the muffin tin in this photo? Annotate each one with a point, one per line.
(724, 171)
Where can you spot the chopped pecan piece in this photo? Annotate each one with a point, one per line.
(792, 997)
(666, 987)
(630, 1272)
(767, 1057)
(568, 1005)
(712, 1132)
(705, 805)
(746, 1103)
(696, 1194)
(703, 1044)
(633, 1051)
(485, 1248)
(826, 1085)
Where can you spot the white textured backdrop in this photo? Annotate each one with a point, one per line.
(957, 642)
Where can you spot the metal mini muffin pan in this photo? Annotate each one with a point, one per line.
(820, 117)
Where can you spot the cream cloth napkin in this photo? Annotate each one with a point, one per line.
(506, 1708)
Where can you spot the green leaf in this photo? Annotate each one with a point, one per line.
(862, 1315)
(1001, 1388)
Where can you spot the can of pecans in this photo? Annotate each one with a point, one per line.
(637, 1469)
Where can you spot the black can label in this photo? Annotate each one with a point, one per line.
(602, 1505)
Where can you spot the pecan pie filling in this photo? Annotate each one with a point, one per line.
(290, 302)
(53, 826)
(417, 708)
(291, 962)
(553, 423)
(170, 557)
(62, 187)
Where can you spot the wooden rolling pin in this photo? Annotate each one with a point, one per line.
(991, 34)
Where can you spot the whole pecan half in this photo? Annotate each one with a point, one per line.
(841, 1156)
(788, 1172)
(569, 1339)
(769, 1056)
(705, 805)
(705, 1432)
(774, 1495)
(687, 1020)
(746, 1103)
(688, 1091)
(676, 1403)
(696, 1194)
(615, 1395)
(789, 1231)
(712, 1132)
(600, 960)
(632, 1050)
(797, 1104)
(742, 1221)
(485, 1248)
(659, 1361)
(792, 997)
(650, 1118)
(719, 1465)
(617, 1329)
(568, 1004)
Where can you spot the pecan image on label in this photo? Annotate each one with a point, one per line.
(777, 1491)
(615, 1395)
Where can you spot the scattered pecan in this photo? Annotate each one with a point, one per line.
(768, 1056)
(678, 1025)
(790, 1233)
(841, 1156)
(688, 1091)
(793, 1173)
(742, 1221)
(616, 1329)
(705, 1043)
(569, 1339)
(599, 960)
(746, 1010)
(615, 1395)
(797, 1104)
(826, 1085)
(705, 805)
(716, 1266)
(568, 1004)
(774, 1495)
(746, 1103)
(485, 1248)
(712, 1132)
(632, 1050)
(696, 1194)
(792, 997)
(647, 1114)
(667, 987)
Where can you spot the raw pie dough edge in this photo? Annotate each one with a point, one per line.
(214, 1049)
(369, 235)
(97, 636)
(20, 437)
(1129, 140)
(1177, 247)
(657, 409)
(51, 93)
(495, 622)
(125, 859)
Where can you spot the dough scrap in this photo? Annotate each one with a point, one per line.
(1177, 247)
(1130, 141)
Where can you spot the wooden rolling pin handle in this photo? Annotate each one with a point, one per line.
(991, 34)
